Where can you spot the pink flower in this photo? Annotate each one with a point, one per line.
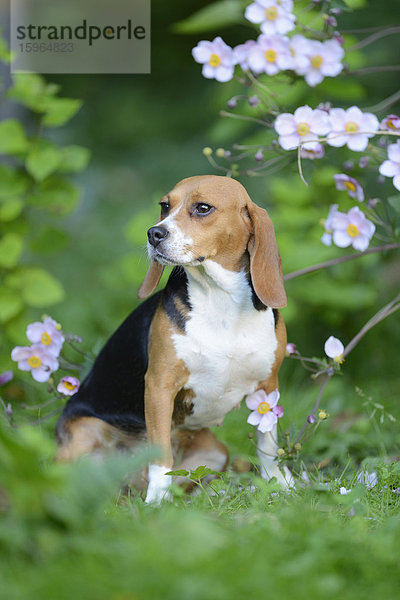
(305, 125)
(391, 167)
(217, 58)
(351, 127)
(68, 386)
(242, 52)
(334, 349)
(266, 410)
(36, 359)
(317, 152)
(270, 55)
(352, 229)
(391, 122)
(324, 60)
(274, 16)
(328, 224)
(350, 185)
(48, 334)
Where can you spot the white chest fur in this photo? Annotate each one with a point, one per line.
(228, 346)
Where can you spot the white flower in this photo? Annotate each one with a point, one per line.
(327, 237)
(299, 49)
(304, 125)
(368, 479)
(270, 55)
(352, 229)
(46, 333)
(274, 16)
(351, 127)
(350, 185)
(36, 359)
(334, 349)
(324, 60)
(391, 122)
(217, 58)
(391, 167)
(344, 491)
(241, 53)
(68, 386)
(266, 410)
(312, 154)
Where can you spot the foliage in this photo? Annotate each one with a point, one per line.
(34, 195)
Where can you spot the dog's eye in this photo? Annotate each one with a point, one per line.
(164, 208)
(202, 209)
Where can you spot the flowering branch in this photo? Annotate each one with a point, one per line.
(341, 259)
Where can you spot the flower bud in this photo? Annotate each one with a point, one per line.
(259, 156)
(232, 103)
(281, 452)
(8, 410)
(6, 377)
(348, 165)
(335, 11)
(254, 101)
(331, 21)
(363, 162)
(323, 415)
(207, 151)
(373, 203)
(220, 152)
(291, 349)
(311, 419)
(297, 447)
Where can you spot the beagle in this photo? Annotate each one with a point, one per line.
(190, 353)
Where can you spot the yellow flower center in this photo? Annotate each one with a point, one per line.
(339, 359)
(351, 127)
(214, 60)
(45, 338)
(34, 362)
(350, 186)
(352, 230)
(303, 128)
(263, 408)
(270, 55)
(271, 13)
(69, 386)
(317, 61)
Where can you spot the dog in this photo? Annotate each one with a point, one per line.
(190, 353)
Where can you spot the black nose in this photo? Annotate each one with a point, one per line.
(157, 234)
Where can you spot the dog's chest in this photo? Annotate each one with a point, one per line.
(228, 348)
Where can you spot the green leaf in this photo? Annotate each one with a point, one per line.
(201, 472)
(59, 110)
(73, 159)
(49, 240)
(31, 90)
(12, 137)
(55, 194)
(38, 288)
(394, 202)
(11, 247)
(212, 17)
(43, 159)
(178, 473)
(10, 304)
(12, 182)
(11, 209)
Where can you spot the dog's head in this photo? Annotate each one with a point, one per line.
(212, 218)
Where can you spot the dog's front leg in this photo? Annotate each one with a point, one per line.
(158, 413)
(267, 447)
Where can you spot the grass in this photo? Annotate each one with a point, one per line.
(67, 532)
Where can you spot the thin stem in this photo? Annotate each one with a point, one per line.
(374, 37)
(39, 406)
(387, 310)
(225, 113)
(341, 259)
(385, 103)
(52, 414)
(366, 70)
(316, 405)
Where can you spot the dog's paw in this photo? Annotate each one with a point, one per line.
(282, 475)
(159, 484)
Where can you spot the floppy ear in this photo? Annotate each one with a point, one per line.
(265, 262)
(151, 280)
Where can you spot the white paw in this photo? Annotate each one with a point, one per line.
(159, 483)
(283, 475)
